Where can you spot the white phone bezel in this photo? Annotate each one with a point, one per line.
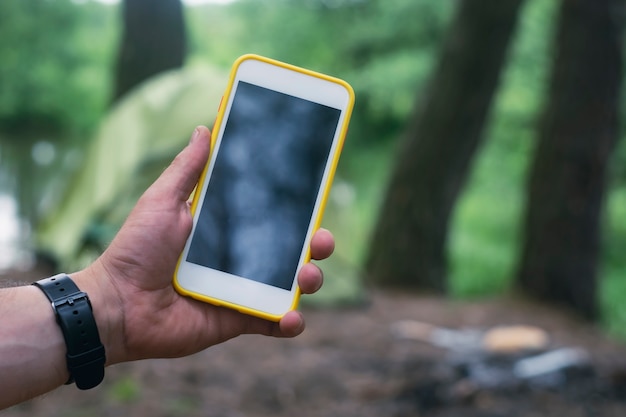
(237, 291)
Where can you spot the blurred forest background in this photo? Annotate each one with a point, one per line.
(484, 155)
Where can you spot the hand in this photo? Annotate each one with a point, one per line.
(139, 314)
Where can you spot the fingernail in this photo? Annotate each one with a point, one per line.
(196, 134)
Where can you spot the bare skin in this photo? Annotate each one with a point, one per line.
(139, 314)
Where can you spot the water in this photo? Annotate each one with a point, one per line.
(13, 236)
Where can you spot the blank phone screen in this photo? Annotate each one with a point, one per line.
(264, 184)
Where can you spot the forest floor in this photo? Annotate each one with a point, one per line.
(350, 362)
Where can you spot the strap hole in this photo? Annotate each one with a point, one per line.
(75, 312)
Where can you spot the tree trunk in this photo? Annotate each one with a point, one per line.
(153, 41)
(568, 178)
(409, 240)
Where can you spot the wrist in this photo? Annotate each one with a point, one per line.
(85, 354)
(107, 310)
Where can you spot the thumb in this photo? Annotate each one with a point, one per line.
(182, 175)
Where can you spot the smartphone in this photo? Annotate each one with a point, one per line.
(275, 147)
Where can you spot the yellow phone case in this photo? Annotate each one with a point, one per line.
(325, 192)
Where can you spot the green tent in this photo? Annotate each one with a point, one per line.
(135, 142)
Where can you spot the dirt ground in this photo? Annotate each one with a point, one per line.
(349, 363)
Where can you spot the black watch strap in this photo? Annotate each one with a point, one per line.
(85, 352)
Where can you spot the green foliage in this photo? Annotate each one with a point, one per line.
(125, 391)
(32, 82)
(485, 232)
(54, 76)
(613, 272)
(351, 210)
(57, 82)
(384, 49)
(390, 48)
(45, 75)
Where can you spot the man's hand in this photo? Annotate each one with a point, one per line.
(139, 314)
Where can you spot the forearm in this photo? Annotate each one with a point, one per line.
(32, 349)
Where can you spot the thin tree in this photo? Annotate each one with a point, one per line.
(567, 181)
(408, 246)
(153, 40)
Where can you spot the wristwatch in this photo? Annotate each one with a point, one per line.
(85, 352)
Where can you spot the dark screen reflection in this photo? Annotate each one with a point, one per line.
(264, 185)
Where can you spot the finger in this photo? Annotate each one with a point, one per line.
(322, 244)
(291, 324)
(183, 173)
(310, 278)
